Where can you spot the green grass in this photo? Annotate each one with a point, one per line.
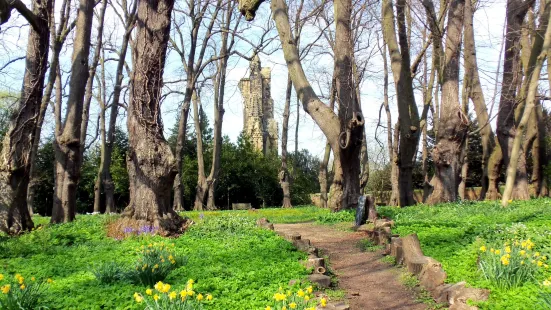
(367, 245)
(226, 254)
(298, 214)
(453, 234)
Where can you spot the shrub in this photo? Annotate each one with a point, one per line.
(156, 261)
(109, 273)
(512, 264)
(163, 298)
(300, 300)
(21, 295)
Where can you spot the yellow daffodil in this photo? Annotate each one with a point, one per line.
(522, 262)
(293, 305)
(498, 252)
(149, 291)
(172, 295)
(289, 293)
(284, 308)
(482, 249)
(323, 302)
(5, 289)
(268, 308)
(522, 252)
(1, 277)
(138, 297)
(540, 263)
(22, 286)
(309, 290)
(166, 288)
(306, 298)
(159, 286)
(190, 293)
(508, 249)
(200, 297)
(546, 283)
(280, 296)
(50, 281)
(510, 200)
(300, 293)
(209, 297)
(492, 250)
(155, 297)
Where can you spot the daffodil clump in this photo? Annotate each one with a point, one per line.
(302, 299)
(164, 297)
(512, 264)
(155, 262)
(20, 293)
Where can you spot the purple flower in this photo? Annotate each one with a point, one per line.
(147, 230)
(128, 230)
(201, 216)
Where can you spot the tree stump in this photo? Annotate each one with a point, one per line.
(413, 255)
(371, 209)
(396, 250)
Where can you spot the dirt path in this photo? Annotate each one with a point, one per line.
(370, 284)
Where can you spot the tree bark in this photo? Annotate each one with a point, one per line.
(453, 123)
(506, 128)
(151, 165)
(68, 143)
(491, 153)
(531, 99)
(18, 141)
(283, 172)
(408, 114)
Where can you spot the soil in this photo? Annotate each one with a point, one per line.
(369, 283)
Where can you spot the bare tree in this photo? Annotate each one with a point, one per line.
(343, 131)
(284, 172)
(506, 127)
(18, 141)
(67, 142)
(453, 123)
(151, 165)
(541, 49)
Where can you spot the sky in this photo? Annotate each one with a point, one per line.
(489, 27)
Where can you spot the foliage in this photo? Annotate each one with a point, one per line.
(163, 298)
(242, 270)
(304, 169)
(155, 262)
(297, 214)
(300, 299)
(512, 264)
(336, 217)
(109, 272)
(453, 234)
(21, 294)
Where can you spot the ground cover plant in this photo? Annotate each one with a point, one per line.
(503, 249)
(234, 264)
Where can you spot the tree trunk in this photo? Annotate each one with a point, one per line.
(490, 168)
(323, 174)
(453, 123)
(506, 129)
(531, 99)
(107, 180)
(18, 141)
(68, 143)
(297, 125)
(394, 169)
(283, 172)
(151, 165)
(408, 115)
(88, 100)
(539, 154)
(202, 186)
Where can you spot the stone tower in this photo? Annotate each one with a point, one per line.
(258, 108)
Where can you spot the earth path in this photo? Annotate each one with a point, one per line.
(369, 283)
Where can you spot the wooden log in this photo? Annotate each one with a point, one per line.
(383, 236)
(396, 250)
(413, 255)
(319, 270)
(302, 244)
(315, 262)
(292, 236)
(432, 275)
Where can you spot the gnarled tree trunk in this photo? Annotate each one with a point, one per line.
(151, 165)
(453, 123)
(283, 172)
(18, 141)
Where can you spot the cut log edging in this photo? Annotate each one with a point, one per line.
(407, 252)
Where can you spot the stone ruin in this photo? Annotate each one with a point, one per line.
(258, 108)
